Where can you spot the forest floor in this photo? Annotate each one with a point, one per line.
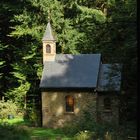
(38, 133)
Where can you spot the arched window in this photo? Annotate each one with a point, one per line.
(69, 103)
(48, 48)
(107, 103)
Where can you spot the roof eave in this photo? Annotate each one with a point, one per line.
(67, 88)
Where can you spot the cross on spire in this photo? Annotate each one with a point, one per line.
(48, 35)
(49, 15)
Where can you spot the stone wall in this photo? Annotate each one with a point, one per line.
(53, 107)
(108, 115)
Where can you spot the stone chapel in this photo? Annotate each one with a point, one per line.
(70, 83)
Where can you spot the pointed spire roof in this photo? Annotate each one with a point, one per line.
(48, 33)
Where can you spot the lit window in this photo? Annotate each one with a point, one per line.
(107, 103)
(69, 103)
(48, 48)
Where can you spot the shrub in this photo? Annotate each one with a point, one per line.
(87, 122)
(108, 136)
(13, 133)
(7, 108)
(103, 130)
(32, 115)
(85, 135)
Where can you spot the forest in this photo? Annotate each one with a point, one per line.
(108, 27)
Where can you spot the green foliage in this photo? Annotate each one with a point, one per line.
(13, 133)
(18, 94)
(7, 108)
(87, 13)
(83, 135)
(85, 126)
(2, 65)
(2, 47)
(32, 116)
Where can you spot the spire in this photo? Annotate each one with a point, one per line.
(48, 32)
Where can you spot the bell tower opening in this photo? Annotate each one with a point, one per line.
(48, 48)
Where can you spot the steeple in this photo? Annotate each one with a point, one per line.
(49, 44)
(48, 36)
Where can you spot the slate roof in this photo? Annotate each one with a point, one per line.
(109, 77)
(71, 71)
(48, 33)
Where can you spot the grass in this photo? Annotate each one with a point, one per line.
(16, 121)
(37, 133)
(19, 126)
(51, 134)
